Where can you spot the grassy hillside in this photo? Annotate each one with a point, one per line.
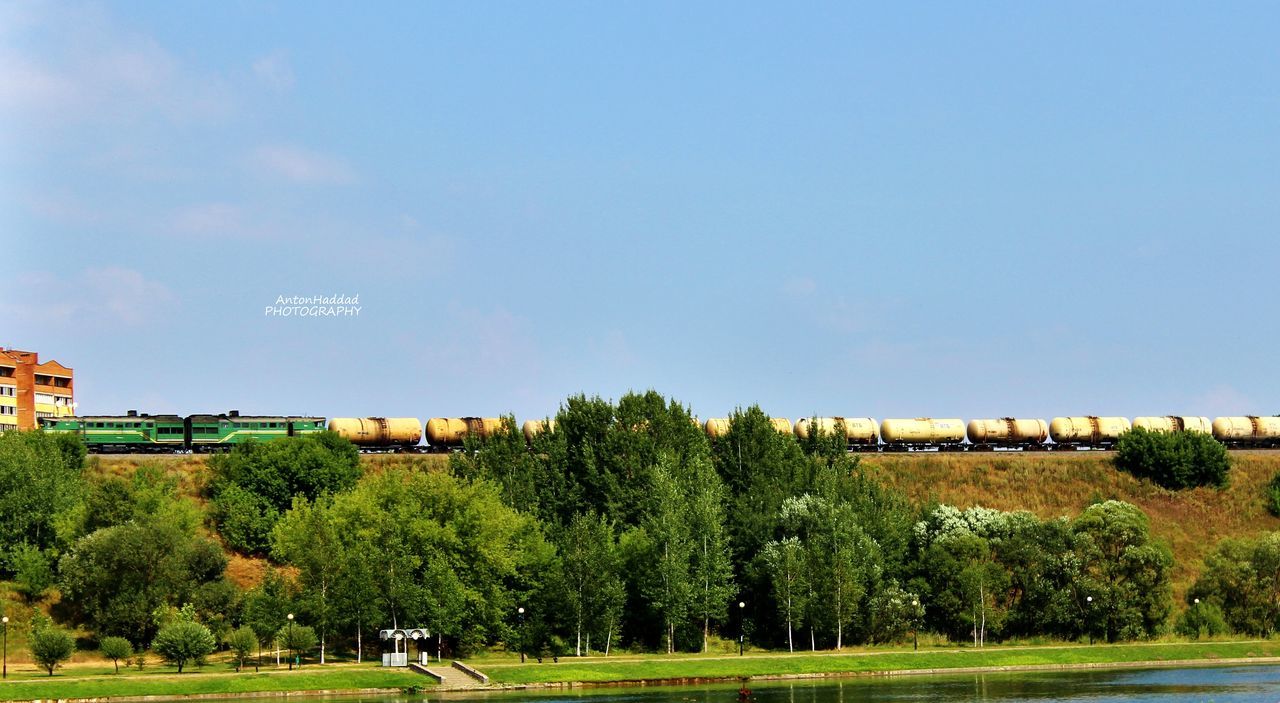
(1056, 484)
(1048, 484)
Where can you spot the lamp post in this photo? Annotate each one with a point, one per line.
(742, 627)
(520, 612)
(290, 616)
(1088, 616)
(5, 621)
(915, 623)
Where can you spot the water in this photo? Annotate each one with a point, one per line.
(1218, 684)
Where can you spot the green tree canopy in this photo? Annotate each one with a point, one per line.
(50, 646)
(183, 641)
(257, 481)
(40, 479)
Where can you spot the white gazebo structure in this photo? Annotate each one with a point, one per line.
(400, 656)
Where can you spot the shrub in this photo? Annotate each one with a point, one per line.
(1273, 495)
(1201, 620)
(33, 572)
(1174, 460)
(50, 646)
(115, 649)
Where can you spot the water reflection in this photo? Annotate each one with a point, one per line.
(1239, 684)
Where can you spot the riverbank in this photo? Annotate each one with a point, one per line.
(641, 670)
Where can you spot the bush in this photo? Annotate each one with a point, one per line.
(1201, 620)
(50, 646)
(32, 571)
(1273, 495)
(182, 641)
(1174, 460)
(115, 649)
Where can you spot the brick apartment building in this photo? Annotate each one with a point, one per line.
(30, 390)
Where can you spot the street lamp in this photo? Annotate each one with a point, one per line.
(742, 627)
(290, 616)
(520, 611)
(1088, 615)
(5, 621)
(915, 618)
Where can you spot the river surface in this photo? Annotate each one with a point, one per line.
(1236, 684)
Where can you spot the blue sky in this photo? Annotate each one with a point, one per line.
(946, 209)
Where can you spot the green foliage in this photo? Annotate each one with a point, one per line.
(255, 483)
(40, 478)
(307, 537)
(1123, 570)
(788, 572)
(183, 641)
(1174, 460)
(33, 571)
(298, 639)
(153, 560)
(1241, 577)
(1201, 620)
(1273, 495)
(50, 646)
(590, 568)
(265, 608)
(242, 643)
(1100, 574)
(115, 649)
(425, 548)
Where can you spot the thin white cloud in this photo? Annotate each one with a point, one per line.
(207, 218)
(300, 166)
(274, 71)
(89, 70)
(110, 294)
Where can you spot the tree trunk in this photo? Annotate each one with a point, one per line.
(359, 640)
(790, 645)
(608, 639)
(706, 626)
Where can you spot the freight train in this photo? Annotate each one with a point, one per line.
(205, 433)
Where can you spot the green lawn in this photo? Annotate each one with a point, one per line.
(73, 683)
(658, 667)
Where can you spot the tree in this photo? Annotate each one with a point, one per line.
(785, 560)
(32, 572)
(265, 607)
(50, 646)
(589, 564)
(148, 564)
(298, 639)
(1241, 578)
(115, 649)
(40, 480)
(711, 563)
(1174, 460)
(308, 538)
(1123, 570)
(666, 584)
(242, 643)
(1201, 620)
(255, 483)
(183, 641)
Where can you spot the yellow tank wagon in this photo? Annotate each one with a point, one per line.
(1087, 431)
(1247, 431)
(1008, 432)
(922, 433)
(859, 432)
(450, 432)
(1174, 423)
(379, 432)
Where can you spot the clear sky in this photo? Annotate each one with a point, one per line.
(947, 209)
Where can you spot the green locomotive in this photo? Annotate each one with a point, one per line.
(143, 433)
